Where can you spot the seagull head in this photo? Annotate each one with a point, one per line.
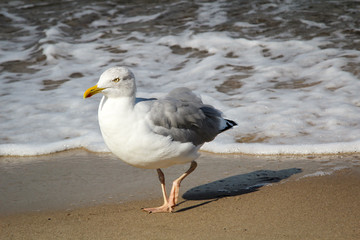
(114, 82)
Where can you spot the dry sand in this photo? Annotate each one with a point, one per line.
(224, 198)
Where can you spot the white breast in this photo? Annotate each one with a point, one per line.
(128, 134)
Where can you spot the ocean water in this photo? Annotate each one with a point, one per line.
(288, 72)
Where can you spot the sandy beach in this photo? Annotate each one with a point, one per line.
(81, 195)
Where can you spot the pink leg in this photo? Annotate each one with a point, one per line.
(170, 204)
(165, 206)
(174, 194)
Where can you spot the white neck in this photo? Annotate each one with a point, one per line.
(116, 104)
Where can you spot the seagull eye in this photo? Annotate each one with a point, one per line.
(116, 80)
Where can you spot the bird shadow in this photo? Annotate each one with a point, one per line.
(234, 186)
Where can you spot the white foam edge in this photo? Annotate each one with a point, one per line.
(213, 147)
(270, 149)
(23, 150)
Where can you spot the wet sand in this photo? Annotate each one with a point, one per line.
(79, 195)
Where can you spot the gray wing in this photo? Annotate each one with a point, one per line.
(182, 116)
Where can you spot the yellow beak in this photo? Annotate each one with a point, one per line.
(92, 91)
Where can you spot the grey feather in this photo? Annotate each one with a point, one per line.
(183, 116)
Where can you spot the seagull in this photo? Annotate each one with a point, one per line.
(154, 133)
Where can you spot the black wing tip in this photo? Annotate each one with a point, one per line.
(229, 124)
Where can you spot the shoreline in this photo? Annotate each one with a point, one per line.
(205, 151)
(82, 195)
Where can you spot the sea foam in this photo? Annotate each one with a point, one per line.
(290, 91)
